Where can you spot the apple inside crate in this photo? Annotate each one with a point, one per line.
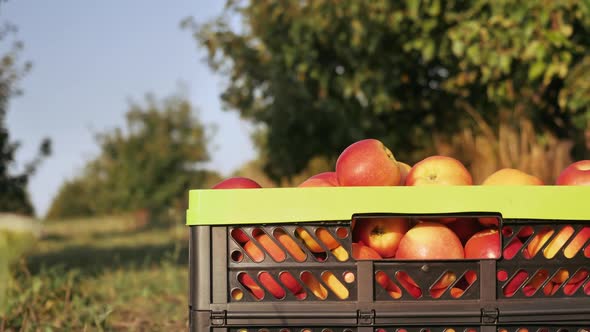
(427, 238)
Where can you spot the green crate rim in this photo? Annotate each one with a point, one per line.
(288, 205)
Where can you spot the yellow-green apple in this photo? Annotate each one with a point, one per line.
(292, 247)
(382, 234)
(430, 240)
(326, 179)
(404, 169)
(367, 163)
(251, 285)
(340, 253)
(335, 285)
(576, 174)
(237, 183)
(383, 280)
(271, 285)
(439, 170)
(361, 251)
(511, 176)
(483, 245)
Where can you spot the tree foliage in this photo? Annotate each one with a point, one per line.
(150, 164)
(318, 75)
(14, 196)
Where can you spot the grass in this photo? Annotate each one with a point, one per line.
(101, 274)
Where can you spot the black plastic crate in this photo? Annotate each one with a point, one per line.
(220, 299)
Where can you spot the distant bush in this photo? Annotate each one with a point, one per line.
(151, 164)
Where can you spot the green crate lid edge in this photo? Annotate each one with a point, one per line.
(284, 205)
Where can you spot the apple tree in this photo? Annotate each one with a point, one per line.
(148, 165)
(14, 196)
(317, 75)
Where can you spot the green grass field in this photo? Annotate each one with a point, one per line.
(101, 274)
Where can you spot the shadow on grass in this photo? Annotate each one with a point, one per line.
(94, 260)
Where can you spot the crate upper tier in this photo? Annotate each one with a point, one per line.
(287, 205)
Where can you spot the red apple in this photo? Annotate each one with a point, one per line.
(327, 238)
(271, 285)
(576, 174)
(309, 241)
(513, 248)
(292, 285)
(577, 243)
(251, 285)
(292, 247)
(404, 169)
(430, 240)
(489, 221)
(535, 282)
(360, 251)
(515, 283)
(239, 235)
(441, 285)
(511, 176)
(271, 247)
(382, 234)
(367, 163)
(383, 280)
(457, 292)
(439, 170)
(464, 228)
(237, 183)
(326, 179)
(485, 244)
(409, 284)
(314, 285)
(254, 252)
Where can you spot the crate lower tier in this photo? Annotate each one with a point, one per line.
(283, 284)
(201, 321)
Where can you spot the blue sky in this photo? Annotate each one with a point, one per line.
(89, 59)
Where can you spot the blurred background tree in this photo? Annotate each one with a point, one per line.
(493, 83)
(14, 196)
(147, 166)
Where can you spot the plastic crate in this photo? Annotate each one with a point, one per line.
(219, 300)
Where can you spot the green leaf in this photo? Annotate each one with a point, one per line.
(428, 50)
(434, 9)
(536, 70)
(458, 47)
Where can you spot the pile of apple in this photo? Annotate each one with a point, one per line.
(370, 163)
